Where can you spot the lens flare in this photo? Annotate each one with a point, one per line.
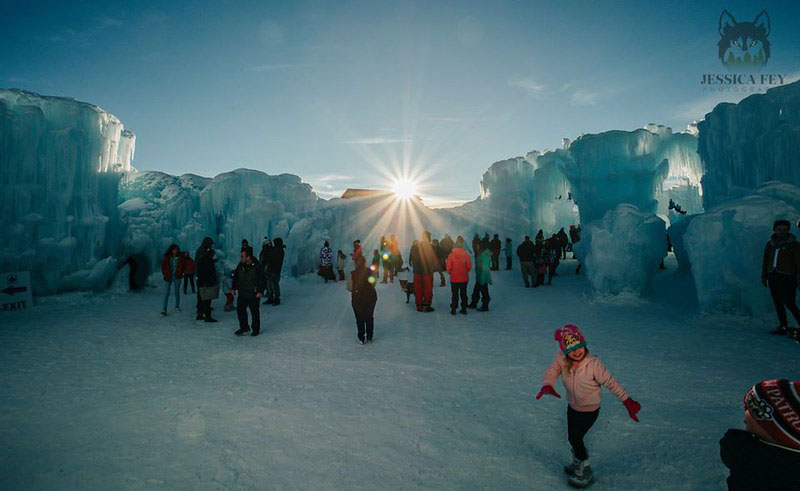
(404, 189)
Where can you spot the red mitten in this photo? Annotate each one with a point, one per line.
(547, 389)
(633, 407)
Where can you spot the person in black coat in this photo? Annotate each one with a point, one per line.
(765, 455)
(206, 277)
(249, 281)
(495, 246)
(361, 284)
(476, 245)
(446, 245)
(273, 269)
(526, 254)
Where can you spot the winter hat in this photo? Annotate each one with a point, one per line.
(569, 339)
(778, 223)
(775, 407)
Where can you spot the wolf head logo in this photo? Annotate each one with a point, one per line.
(744, 45)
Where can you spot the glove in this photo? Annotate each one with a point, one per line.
(547, 389)
(633, 407)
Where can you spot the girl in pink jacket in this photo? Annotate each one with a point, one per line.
(583, 375)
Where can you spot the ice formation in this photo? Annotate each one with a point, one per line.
(615, 167)
(725, 246)
(677, 229)
(60, 165)
(74, 208)
(553, 207)
(622, 251)
(749, 155)
(746, 144)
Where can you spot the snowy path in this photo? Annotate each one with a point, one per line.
(107, 394)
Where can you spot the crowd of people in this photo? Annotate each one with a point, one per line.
(429, 258)
(758, 456)
(252, 279)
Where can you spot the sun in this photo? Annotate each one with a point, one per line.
(404, 189)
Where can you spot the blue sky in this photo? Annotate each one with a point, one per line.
(349, 94)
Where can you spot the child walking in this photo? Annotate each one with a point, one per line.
(583, 375)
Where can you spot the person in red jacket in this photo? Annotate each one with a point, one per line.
(188, 271)
(458, 266)
(583, 376)
(424, 262)
(172, 271)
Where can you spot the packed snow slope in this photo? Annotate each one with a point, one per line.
(101, 392)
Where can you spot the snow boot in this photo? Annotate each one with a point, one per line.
(583, 475)
(164, 313)
(255, 332)
(242, 330)
(276, 302)
(779, 331)
(484, 308)
(572, 467)
(473, 305)
(199, 317)
(452, 311)
(428, 309)
(464, 310)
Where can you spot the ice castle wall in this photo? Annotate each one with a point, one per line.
(59, 166)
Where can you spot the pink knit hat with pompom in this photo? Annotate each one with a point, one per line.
(569, 339)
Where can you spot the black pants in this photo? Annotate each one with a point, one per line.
(365, 327)
(458, 290)
(204, 308)
(495, 262)
(242, 304)
(480, 291)
(578, 424)
(388, 272)
(783, 288)
(508, 262)
(365, 321)
(188, 278)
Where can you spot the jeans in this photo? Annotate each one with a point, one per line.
(578, 424)
(274, 286)
(187, 279)
(176, 284)
(528, 271)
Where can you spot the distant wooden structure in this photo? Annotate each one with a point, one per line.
(363, 193)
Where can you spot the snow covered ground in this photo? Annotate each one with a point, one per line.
(100, 392)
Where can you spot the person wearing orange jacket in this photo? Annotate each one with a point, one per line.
(458, 266)
(172, 271)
